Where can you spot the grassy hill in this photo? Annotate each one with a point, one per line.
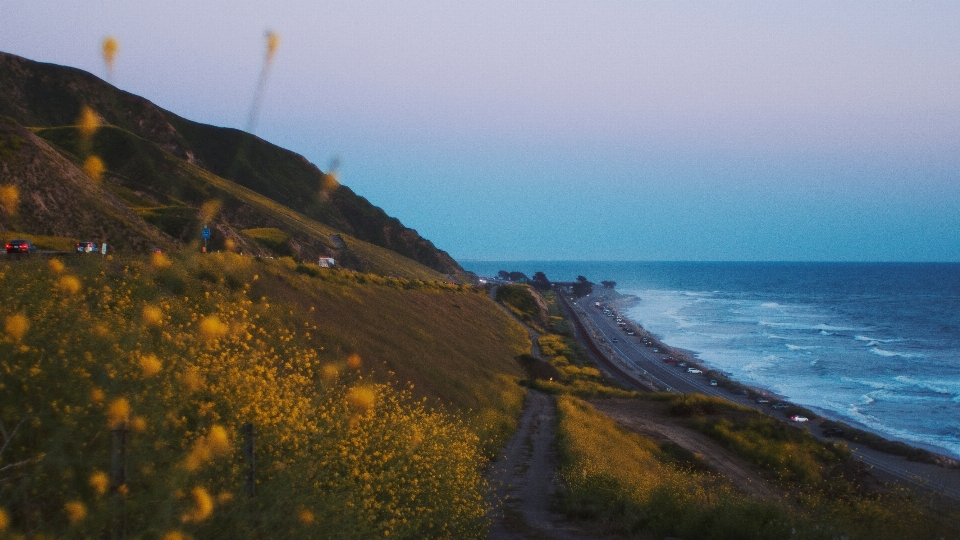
(155, 157)
(373, 407)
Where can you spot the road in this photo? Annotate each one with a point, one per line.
(637, 362)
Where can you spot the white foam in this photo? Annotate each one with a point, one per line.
(774, 336)
(873, 341)
(793, 347)
(881, 352)
(770, 304)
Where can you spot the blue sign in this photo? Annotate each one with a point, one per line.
(206, 233)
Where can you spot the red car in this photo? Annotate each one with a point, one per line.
(670, 359)
(21, 246)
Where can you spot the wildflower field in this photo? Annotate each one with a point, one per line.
(132, 391)
(638, 489)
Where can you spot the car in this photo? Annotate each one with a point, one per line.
(615, 340)
(670, 359)
(762, 400)
(87, 247)
(738, 392)
(798, 418)
(656, 349)
(779, 406)
(21, 246)
(682, 364)
(713, 382)
(833, 432)
(630, 332)
(693, 370)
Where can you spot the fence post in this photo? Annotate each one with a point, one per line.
(248, 441)
(118, 477)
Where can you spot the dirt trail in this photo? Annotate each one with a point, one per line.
(648, 418)
(524, 478)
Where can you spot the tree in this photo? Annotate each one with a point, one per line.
(609, 284)
(540, 281)
(518, 277)
(504, 275)
(582, 287)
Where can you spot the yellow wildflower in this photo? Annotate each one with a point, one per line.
(4, 519)
(211, 327)
(150, 365)
(160, 261)
(152, 315)
(203, 506)
(97, 395)
(56, 266)
(76, 511)
(174, 535)
(94, 167)
(306, 516)
(353, 361)
(9, 198)
(361, 398)
(69, 284)
(16, 326)
(89, 122)
(118, 412)
(109, 49)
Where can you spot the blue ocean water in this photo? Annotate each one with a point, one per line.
(874, 344)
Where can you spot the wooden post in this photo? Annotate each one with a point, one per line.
(118, 477)
(248, 457)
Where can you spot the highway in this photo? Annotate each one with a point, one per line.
(636, 361)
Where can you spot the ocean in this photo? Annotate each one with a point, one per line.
(876, 345)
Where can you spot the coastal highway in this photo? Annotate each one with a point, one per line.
(636, 361)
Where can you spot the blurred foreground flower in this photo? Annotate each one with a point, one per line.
(88, 122)
(69, 284)
(9, 198)
(152, 315)
(203, 506)
(118, 413)
(150, 365)
(76, 511)
(94, 167)
(16, 326)
(211, 327)
(100, 482)
(109, 49)
(361, 398)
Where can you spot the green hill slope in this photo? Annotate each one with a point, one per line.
(49, 96)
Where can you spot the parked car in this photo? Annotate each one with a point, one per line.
(833, 432)
(87, 247)
(21, 246)
(779, 406)
(693, 370)
(713, 382)
(798, 418)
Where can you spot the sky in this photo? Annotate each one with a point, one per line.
(575, 130)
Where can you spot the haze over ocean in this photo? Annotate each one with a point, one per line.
(872, 344)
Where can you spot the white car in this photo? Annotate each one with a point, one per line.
(693, 370)
(798, 418)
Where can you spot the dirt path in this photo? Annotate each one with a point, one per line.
(524, 478)
(648, 419)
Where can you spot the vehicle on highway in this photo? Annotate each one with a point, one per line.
(693, 370)
(21, 246)
(798, 418)
(682, 364)
(738, 392)
(833, 432)
(630, 332)
(779, 406)
(615, 340)
(656, 349)
(87, 247)
(645, 339)
(713, 382)
(670, 360)
(762, 400)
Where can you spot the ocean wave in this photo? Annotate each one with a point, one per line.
(774, 336)
(876, 340)
(770, 304)
(825, 333)
(936, 387)
(771, 357)
(881, 352)
(793, 347)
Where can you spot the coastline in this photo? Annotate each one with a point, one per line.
(620, 302)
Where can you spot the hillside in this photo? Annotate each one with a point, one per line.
(373, 408)
(165, 168)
